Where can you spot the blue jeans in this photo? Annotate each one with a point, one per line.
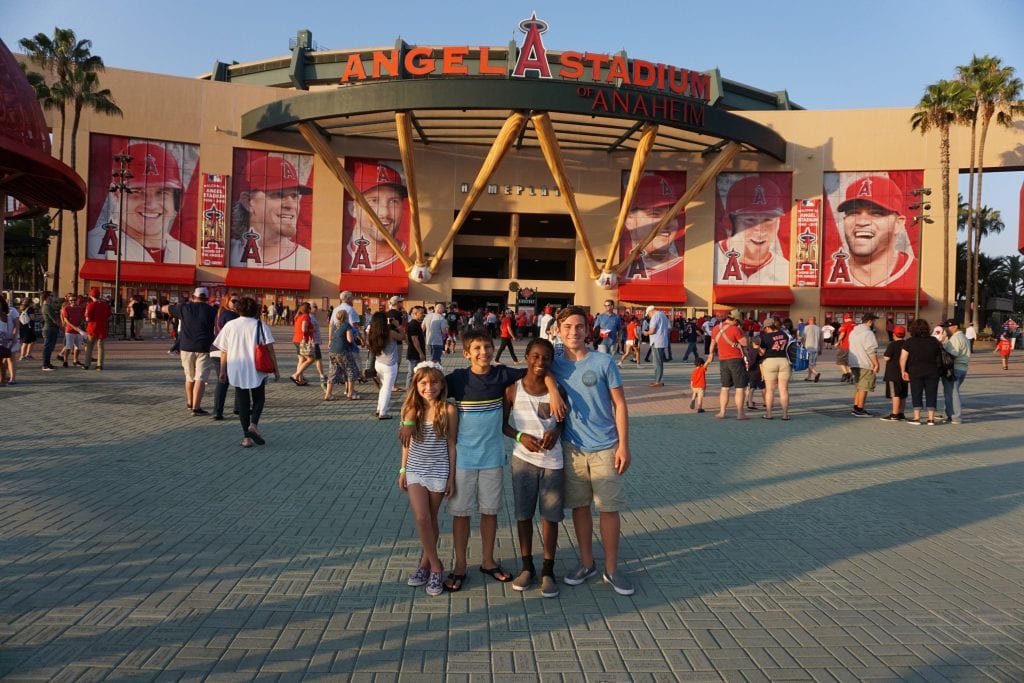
(49, 344)
(435, 353)
(607, 345)
(951, 395)
(659, 363)
(691, 347)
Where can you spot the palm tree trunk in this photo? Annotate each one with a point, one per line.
(74, 214)
(944, 156)
(977, 217)
(58, 247)
(968, 292)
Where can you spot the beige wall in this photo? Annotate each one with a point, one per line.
(208, 114)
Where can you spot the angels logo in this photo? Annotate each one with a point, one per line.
(638, 269)
(760, 199)
(865, 188)
(213, 214)
(532, 56)
(360, 254)
(807, 250)
(840, 267)
(109, 243)
(732, 266)
(250, 250)
(150, 166)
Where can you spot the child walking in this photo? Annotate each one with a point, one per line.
(1003, 347)
(698, 383)
(428, 465)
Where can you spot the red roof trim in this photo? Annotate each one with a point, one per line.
(752, 294)
(168, 273)
(268, 278)
(870, 296)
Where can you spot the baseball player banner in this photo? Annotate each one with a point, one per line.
(213, 228)
(271, 210)
(159, 209)
(752, 222)
(657, 272)
(368, 263)
(808, 238)
(869, 237)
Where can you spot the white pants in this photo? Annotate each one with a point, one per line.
(387, 374)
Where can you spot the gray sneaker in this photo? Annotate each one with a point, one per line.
(620, 583)
(580, 574)
(523, 581)
(548, 587)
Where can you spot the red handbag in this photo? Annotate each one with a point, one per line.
(262, 355)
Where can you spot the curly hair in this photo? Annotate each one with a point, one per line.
(417, 406)
(919, 328)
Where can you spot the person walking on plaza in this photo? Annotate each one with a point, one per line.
(195, 335)
(842, 340)
(895, 387)
(383, 341)
(417, 351)
(775, 367)
(51, 327)
(1004, 347)
(706, 328)
(919, 365)
(72, 318)
(237, 342)
(137, 309)
(698, 384)
(226, 312)
(728, 339)
(956, 345)
(507, 337)
(302, 338)
(606, 328)
(344, 362)
(8, 341)
(689, 334)
(827, 332)
(632, 347)
(810, 337)
(97, 313)
(434, 324)
(970, 333)
(27, 329)
(658, 334)
(318, 356)
(863, 362)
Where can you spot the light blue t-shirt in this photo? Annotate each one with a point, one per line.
(590, 424)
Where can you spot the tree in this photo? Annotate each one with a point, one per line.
(942, 105)
(1011, 269)
(75, 86)
(996, 94)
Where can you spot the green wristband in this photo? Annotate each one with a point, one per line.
(519, 437)
(408, 423)
(401, 470)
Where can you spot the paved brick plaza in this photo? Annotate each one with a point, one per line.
(137, 543)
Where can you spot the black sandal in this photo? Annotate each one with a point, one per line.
(453, 584)
(494, 571)
(260, 441)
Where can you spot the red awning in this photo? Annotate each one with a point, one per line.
(372, 284)
(131, 271)
(870, 296)
(653, 294)
(268, 278)
(753, 294)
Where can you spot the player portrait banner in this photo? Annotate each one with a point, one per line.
(808, 242)
(271, 218)
(657, 272)
(368, 263)
(159, 210)
(213, 225)
(871, 245)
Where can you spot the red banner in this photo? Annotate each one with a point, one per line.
(808, 239)
(656, 275)
(752, 219)
(213, 229)
(368, 263)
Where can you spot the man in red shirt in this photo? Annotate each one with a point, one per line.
(97, 312)
(729, 340)
(843, 344)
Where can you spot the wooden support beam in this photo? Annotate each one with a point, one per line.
(404, 125)
(322, 149)
(513, 247)
(728, 153)
(553, 155)
(505, 139)
(643, 149)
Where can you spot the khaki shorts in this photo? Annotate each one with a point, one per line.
(591, 478)
(864, 378)
(477, 491)
(196, 365)
(843, 357)
(776, 368)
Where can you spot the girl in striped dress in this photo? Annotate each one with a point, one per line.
(428, 465)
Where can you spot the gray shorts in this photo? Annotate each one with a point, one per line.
(733, 373)
(812, 357)
(532, 485)
(477, 491)
(196, 365)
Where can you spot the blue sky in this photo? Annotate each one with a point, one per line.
(827, 55)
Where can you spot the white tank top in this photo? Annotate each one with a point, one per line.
(532, 415)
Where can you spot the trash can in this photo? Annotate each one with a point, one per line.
(117, 326)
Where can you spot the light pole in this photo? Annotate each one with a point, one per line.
(920, 220)
(120, 187)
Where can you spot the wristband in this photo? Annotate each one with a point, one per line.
(519, 437)
(408, 423)
(401, 470)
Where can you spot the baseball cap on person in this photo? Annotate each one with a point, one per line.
(654, 191)
(369, 176)
(94, 292)
(273, 174)
(848, 318)
(201, 293)
(951, 321)
(754, 194)
(395, 300)
(152, 166)
(877, 190)
(899, 331)
(868, 316)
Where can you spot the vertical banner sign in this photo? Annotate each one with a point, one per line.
(213, 229)
(808, 222)
(752, 218)
(657, 272)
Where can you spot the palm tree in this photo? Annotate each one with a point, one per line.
(69, 61)
(996, 93)
(1011, 268)
(941, 106)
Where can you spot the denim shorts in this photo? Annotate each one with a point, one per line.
(532, 485)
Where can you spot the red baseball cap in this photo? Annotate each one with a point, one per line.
(152, 166)
(94, 292)
(899, 331)
(877, 190)
(369, 176)
(273, 174)
(653, 191)
(754, 194)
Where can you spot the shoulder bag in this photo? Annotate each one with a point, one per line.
(262, 355)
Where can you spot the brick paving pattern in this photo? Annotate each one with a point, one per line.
(140, 543)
